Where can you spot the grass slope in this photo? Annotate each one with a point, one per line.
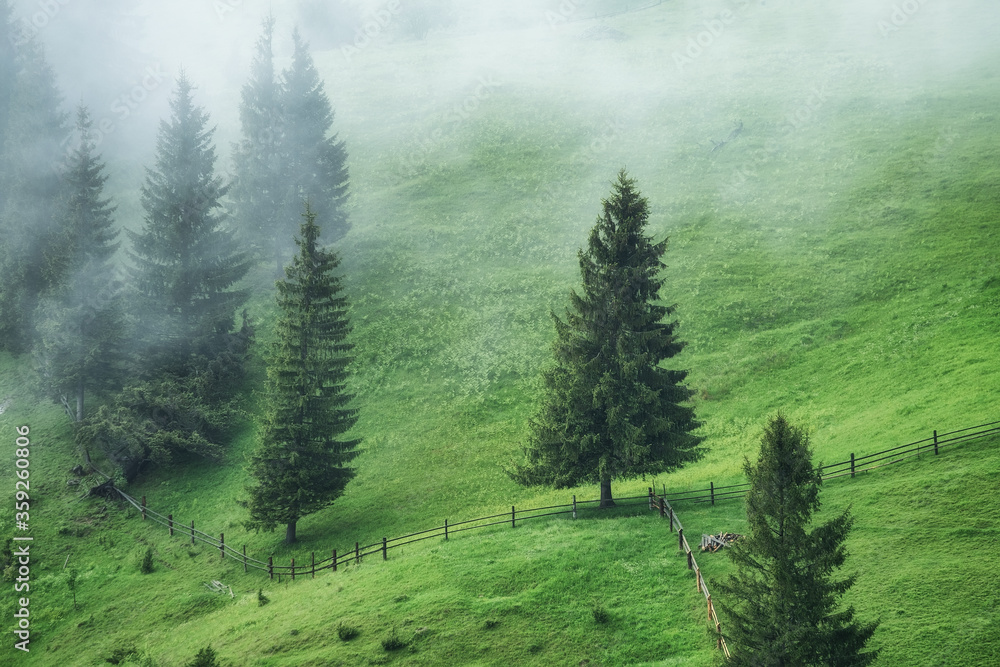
(837, 260)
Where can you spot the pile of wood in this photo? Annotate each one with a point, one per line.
(713, 543)
(219, 587)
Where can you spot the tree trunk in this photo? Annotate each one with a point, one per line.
(290, 533)
(79, 399)
(606, 499)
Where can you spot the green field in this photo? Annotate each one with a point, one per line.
(838, 260)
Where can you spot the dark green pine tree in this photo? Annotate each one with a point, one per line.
(81, 324)
(31, 190)
(781, 602)
(317, 161)
(186, 260)
(260, 183)
(301, 463)
(611, 411)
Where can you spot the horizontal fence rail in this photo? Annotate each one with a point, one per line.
(854, 465)
(359, 552)
(661, 502)
(657, 502)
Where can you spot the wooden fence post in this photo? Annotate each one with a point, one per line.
(270, 567)
(293, 569)
(512, 515)
(852, 464)
(651, 505)
(334, 560)
(708, 599)
(192, 532)
(384, 555)
(690, 560)
(357, 553)
(312, 554)
(244, 558)
(680, 539)
(671, 519)
(170, 524)
(697, 578)
(446, 529)
(222, 545)
(574, 506)
(711, 490)
(935, 443)
(144, 508)
(663, 508)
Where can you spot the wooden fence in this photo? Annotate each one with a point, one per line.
(852, 466)
(657, 502)
(338, 559)
(660, 502)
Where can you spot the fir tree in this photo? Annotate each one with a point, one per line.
(260, 184)
(183, 308)
(31, 190)
(186, 260)
(82, 323)
(611, 411)
(317, 161)
(781, 603)
(301, 463)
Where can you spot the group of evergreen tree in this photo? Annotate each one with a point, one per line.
(156, 336)
(286, 154)
(611, 410)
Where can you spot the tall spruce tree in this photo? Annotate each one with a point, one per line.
(781, 602)
(611, 411)
(81, 324)
(260, 183)
(31, 190)
(317, 160)
(186, 260)
(301, 463)
(183, 305)
(287, 154)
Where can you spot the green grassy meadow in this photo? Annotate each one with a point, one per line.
(838, 260)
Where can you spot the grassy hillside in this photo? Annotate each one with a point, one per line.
(837, 260)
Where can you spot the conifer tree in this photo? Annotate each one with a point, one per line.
(81, 324)
(611, 411)
(186, 260)
(260, 183)
(183, 304)
(300, 465)
(317, 160)
(286, 154)
(31, 190)
(781, 602)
